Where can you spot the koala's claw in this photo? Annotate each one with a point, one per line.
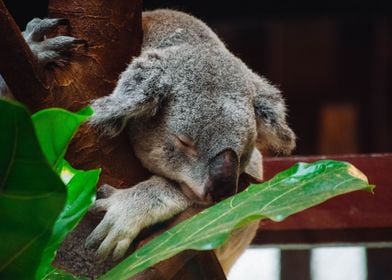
(113, 243)
(50, 50)
(38, 28)
(119, 226)
(105, 191)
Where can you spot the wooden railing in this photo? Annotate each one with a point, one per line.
(357, 217)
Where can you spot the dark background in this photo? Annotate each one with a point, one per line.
(331, 59)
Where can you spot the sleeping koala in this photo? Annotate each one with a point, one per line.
(194, 114)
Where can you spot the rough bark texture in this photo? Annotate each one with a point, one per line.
(18, 66)
(113, 32)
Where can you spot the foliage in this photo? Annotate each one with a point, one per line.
(37, 206)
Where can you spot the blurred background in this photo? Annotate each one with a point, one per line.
(333, 62)
(331, 59)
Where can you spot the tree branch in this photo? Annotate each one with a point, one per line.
(18, 66)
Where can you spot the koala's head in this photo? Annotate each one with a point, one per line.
(194, 116)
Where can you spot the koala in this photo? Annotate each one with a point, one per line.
(196, 117)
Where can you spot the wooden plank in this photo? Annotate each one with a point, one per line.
(294, 264)
(351, 218)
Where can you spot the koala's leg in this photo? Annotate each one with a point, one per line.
(128, 211)
(54, 50)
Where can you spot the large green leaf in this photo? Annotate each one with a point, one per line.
(291, 191)
(31, 194)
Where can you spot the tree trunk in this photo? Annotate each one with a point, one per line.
(17, 63)
(113, 32)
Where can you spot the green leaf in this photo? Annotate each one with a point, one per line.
(37, 211)
(55, 128)
(81, 194)
(291, 191)
(31, 194)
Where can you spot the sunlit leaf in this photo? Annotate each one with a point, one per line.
(55, 129)
(37, 210)
(80, 196)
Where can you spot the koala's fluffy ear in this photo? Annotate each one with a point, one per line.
(138, 94)
(272, 129)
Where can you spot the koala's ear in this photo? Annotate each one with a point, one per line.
(138, 94)
(272, 129)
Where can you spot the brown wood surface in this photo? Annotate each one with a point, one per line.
(18, 66)
(354, 217)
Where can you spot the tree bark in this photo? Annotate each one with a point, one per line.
(18, 66)
(113, 32)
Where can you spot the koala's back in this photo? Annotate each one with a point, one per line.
(163, 28)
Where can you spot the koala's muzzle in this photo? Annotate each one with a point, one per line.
(223, 175)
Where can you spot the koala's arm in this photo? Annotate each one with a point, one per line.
(138, 93)
(47, 50)
(128, 211)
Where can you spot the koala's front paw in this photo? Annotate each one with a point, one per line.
(126, 215)
(128, 211)
(49, 50)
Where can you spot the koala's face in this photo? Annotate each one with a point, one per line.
(194, 115)
(202, 143)
(204, 131)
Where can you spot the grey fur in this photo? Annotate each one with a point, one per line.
(186, 85)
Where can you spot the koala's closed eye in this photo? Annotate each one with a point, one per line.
(185, 144)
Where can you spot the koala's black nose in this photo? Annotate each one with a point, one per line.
(223, 175)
